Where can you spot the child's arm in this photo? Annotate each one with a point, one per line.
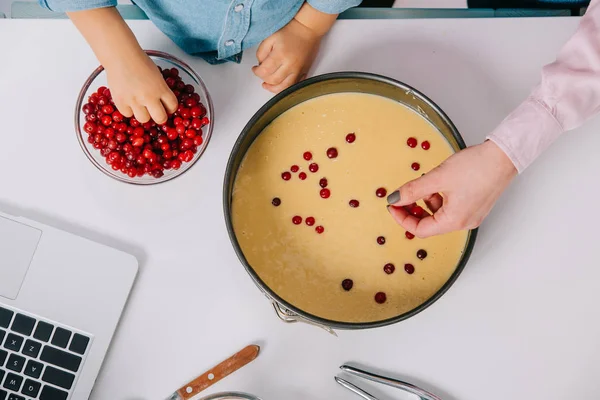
(135, 82)
(286, 56)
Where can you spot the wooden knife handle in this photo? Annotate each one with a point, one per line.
(219, 372)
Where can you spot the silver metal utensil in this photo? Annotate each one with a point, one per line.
(407, 387)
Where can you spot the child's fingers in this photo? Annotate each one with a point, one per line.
(124, 109)
(267, 68)
(169, 101)
(264, 49)
(141, 113)
(157, 112)
(287, 82)
(278, 76)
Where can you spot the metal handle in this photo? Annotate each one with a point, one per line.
(407, 387)
(290, 317)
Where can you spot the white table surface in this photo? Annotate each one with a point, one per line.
(520, 323)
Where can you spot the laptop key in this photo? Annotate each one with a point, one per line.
(31, 348)
(79, 344)
(33, 369)
(3, 394)
(50, 393)
(31, 388)
(43, 331)
(60, 358)
(23, 324)
(15, 363)
(13, 396)
(58, 378)
(5, 317)
(13, 342)
(61, 337)
(13, 382)
(3, 356)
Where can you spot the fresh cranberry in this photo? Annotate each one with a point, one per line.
(381, 192)
(176, 164)
(380, 297)
(409, 235)
(205, 121)
(100, 91)
(347, 284)
(89, 127)
(170, 82)
(286, 176)
(418, 211)
(421, 254)
(134, 122)
(389, 268)
(276, 201)
(381, 240)
(108, 109)
(323, 182)
(310, 221)
(97, 146)
(157, 173)
(409, 268)
(319, 229)
(105, 151)
(198, 140)
(88, 108)
(425, 145)
(127, 148)
(196, 123)
(185, 113)
(180, 86)
(109, 133)
(168, 154)
(332, 152)
(102, 101)
(314, 167)
(172, 133)
(325, 193)
(164, 147)
(411, 142)
(106, 120)
(180, 129)
(122, 127)
(189, 102)
(297, 220)
(137, 141)
(197, 112)
(190, 133)
(350, 138)
(98, 138)
(189, 89)
(294, 168)
(354, 203)
(302, 176)
(120, 137)
(112, 144)
(307, 155)
(188, 156)
(415, 166)
(91, 117)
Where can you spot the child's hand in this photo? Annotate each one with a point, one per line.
(285, 57)
(138, 88)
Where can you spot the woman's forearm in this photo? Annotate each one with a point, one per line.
(568, 95)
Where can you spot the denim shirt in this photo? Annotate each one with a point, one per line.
(216, 30)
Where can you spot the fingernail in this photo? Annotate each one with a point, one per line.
(394, 197)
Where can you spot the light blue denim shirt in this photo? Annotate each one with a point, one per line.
(217, 30)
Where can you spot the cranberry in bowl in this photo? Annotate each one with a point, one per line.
(145, 154)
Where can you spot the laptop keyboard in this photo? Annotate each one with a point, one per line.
(38, 359)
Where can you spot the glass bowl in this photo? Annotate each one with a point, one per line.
(98, 79)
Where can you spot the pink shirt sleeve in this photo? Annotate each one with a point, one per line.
(568, 95)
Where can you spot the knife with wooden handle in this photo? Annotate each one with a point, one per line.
(217, 373)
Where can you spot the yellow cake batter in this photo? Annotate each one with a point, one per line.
(306, 268)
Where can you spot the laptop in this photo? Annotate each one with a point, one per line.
(61, 298)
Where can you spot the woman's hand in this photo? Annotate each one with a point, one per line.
(460, 192)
